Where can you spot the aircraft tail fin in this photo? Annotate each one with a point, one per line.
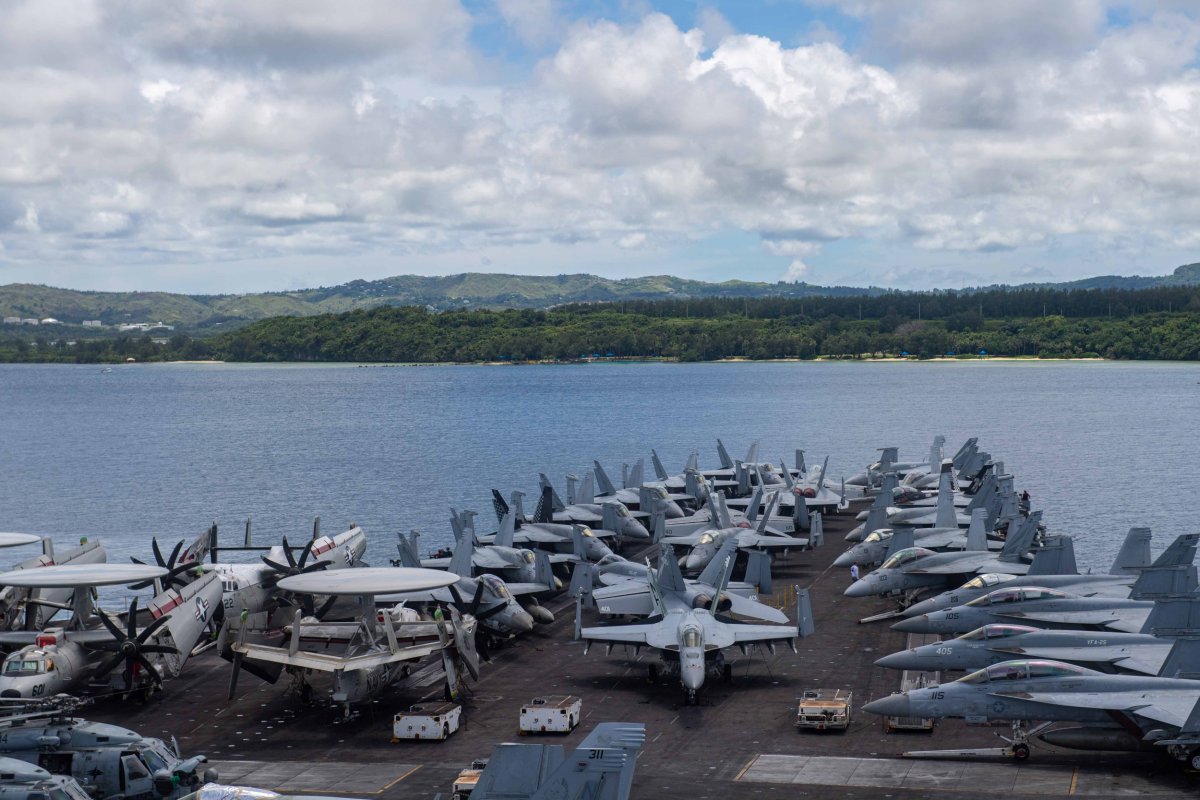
(660, 525)
(460, 559)
(758, 570)
(1020, 539)
(500, 505)
(585, 492)
(752, 508)
(986, 489)
(1181, 552)
(723, 511)
(1184, 659)
(976, 535)
(901, 540)
(637, 475)
(799, 462)
(518, 505)
(456, 524)
(1134, 553)
(1156, 582)
(805, 625)
(693, 462)
(946, 516)
(876, 519)
(545, 507)
(824, 473)
(507, 532)
(711, 574)
(887, 457)
(543, 573)
(187, 627)
(601, 768)
(1056, 556)
(557, 503)
(660, 472)
(967, 447)
(801, 519)
(606, 486)
(752, 452)
(772, 502)
(691, 483)
(407, 549)
(723, 456)
(935, 451)
(582, 580)
(786, 474)
(1173, 617)
(670, 577)
(741, 474)
(890, 481)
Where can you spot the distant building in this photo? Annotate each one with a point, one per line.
(93, 323)
(12, 320)
(29, 322)
(51, 321)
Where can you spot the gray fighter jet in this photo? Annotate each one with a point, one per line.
(636, 494)
(583, 509)
(917, 568)
(1130, 575)
(1139, 653)
(889, 462)
(1119, 712)
(691, 640)
(583, 541)
(705, 544)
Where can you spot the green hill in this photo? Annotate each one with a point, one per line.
(466, 290)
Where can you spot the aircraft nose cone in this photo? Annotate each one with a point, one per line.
(899, 660)
(895, 706)
(695, 561)
(913, 625)
(672, 509)
(635, 530)
(522, 622)
(923, 607)
(860, 588)
(855, 535)
(845, 559)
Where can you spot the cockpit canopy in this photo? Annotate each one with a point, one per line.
(1001, 596)
(878, 536)
(997, 631)
(1023, 670)
(610, 558)
(692, 638)
(905, 556)
(527, 556)
(987, 579)
(496, 585)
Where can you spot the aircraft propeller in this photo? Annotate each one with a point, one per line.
(171, 579)
(472, 608)
(293, 567)
(131, 647)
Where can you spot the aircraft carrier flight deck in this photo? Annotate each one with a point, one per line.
(740, 741)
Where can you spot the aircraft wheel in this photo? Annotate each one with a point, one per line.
(1021, 752)
(1195, 760)
(727, 673)
(445, 731)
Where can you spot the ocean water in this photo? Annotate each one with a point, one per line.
(165, 450)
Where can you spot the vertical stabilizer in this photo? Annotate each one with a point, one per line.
(1183, 660)
(545, 483)
(752, 453)
(1181, 552)
(752, 508)
(805, 626)
(800, 468)
(935, 451)
(946, 516)
(723, 456)
(723, 512)
(460, 560)
(637, 475)
(499, 504)
(758, 571)
(711, 575)
(586, 491)
(508, 530)
(741, 473)
(887, 457)
(407, 548)
(1056, 556)
(1134, 553)
(670, 578)
(976, 535)
(772, 501)
(967, 447)
(545, 507)
(606, 486)
(659, 527)
(1173, 617)
(1019, 540)
(1156, 582)
(660, 472)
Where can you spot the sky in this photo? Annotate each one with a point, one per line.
(226, 146)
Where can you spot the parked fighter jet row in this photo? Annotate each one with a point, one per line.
(1117, 653)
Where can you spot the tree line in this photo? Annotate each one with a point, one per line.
(1160, 323)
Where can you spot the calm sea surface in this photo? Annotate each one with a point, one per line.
(164, 450)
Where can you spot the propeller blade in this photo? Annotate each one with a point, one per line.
(315, 566)
(325, 607)
(108, 647)
(131, 620)
(477, 599)
(275, 565)
(116, 632)
(491, 612)
(287, 552)
(174, 554)
(304, 554)
(458, 601)
(109, 665)
(158, 556)
(150, 629)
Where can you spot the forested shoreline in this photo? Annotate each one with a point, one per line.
(1153, 324)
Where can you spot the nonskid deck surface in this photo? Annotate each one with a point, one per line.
(739, 742)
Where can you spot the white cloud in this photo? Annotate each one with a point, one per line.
(148, 132)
